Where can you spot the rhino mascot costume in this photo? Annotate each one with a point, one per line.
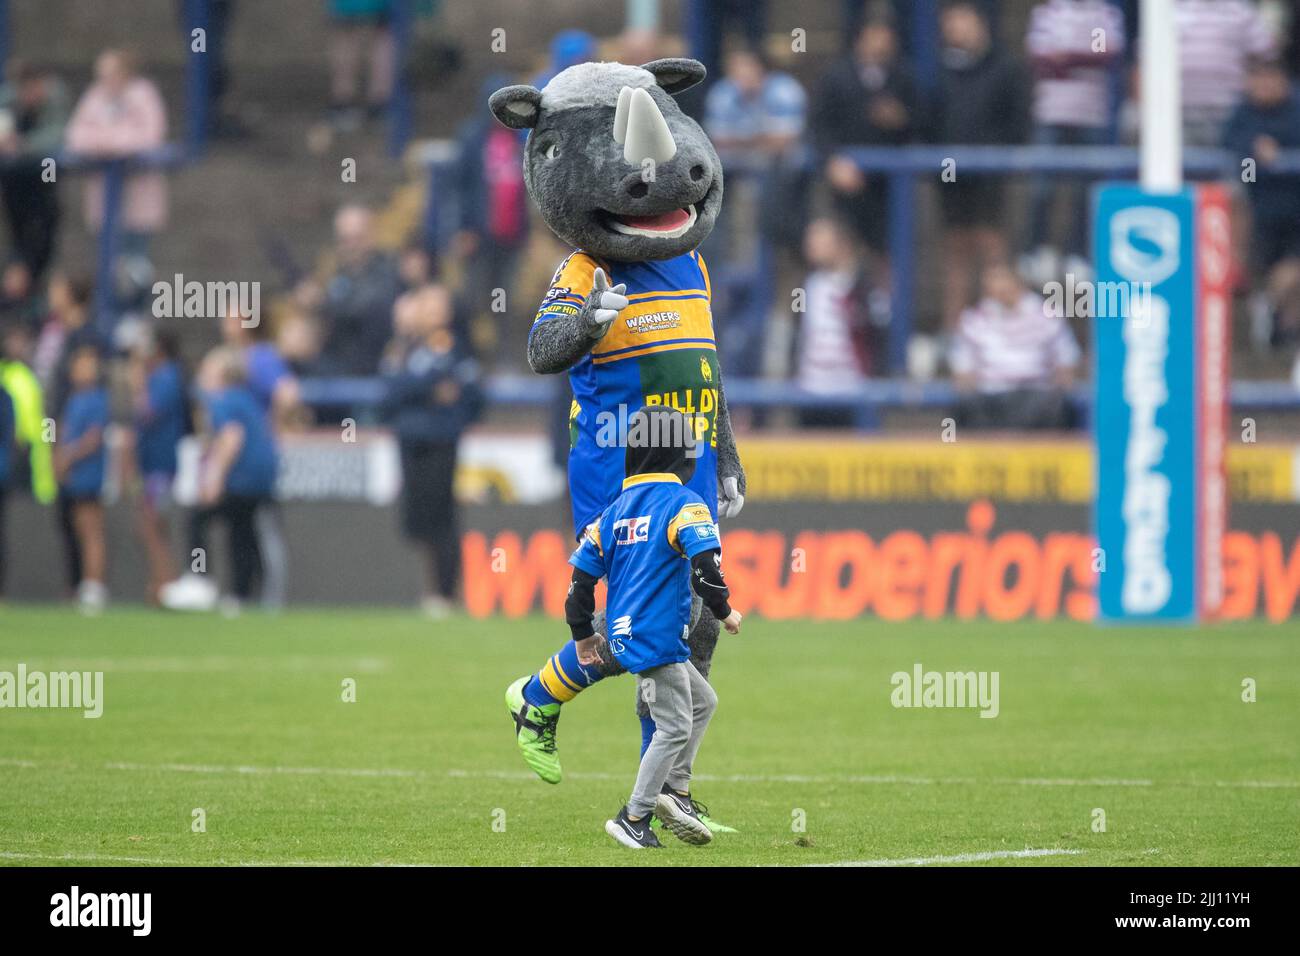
(633, 184)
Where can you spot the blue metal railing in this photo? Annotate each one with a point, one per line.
(197, 15)
(116, 173)
(867, 402)
(905, 166)
(400, 113)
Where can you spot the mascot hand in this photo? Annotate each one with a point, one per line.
(603, 305)
(730, 500)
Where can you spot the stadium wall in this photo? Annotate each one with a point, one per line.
(834, 530)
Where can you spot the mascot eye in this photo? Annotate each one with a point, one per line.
(552, 151)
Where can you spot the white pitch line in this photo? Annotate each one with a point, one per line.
(289, 771)
(207, 664)
(152, 861)
(155, 861)
(956, 858)
(790, 778)
(907, 781)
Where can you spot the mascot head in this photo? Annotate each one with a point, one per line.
(614, 165)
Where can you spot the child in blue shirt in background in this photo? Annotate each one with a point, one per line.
(162, 419)
(268, 375)
(273, 383)
(79, 456)
(654, 544)
(236, 480)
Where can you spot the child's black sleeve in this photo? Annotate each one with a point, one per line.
(707, 580)
(580, 605)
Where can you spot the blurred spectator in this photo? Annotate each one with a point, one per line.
(298, 339)
(162, 419)
(359, 24)
(275, 386)
(79, 463)
(33, 114)
(237, 480)
(433, 393)
(1011, 360)
(122, 114)
(1073, 46)
(67, 329)
(1267, 122)
(33, 466)
(755, 116)
(268, 375)
(982, 99)
(568, 48)
(866, 99)
(493, 205)
(1216, 38)
(1291, 43)
(68, 309)
(19, 299)
(904, 14)
(640, 44)
(8, 451)
(416, 267)
(756, 119)
(754, 111)
(357, 301)
(837, 340)
(706, 26)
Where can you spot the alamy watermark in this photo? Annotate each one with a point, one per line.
(1077, 298)
(922, 688)
(622, 428)
(74, 690)
(179, 299)
(75, 908)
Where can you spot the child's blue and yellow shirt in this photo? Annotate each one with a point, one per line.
(642, 545)
(659, 351)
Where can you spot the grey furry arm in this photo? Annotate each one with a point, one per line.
(728, 458)
(557, 344)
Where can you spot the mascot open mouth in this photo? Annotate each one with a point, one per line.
(666, 225)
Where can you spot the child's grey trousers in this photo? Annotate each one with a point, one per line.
(681, 703)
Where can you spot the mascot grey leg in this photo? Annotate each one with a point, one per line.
(607, 667)
(702, 639)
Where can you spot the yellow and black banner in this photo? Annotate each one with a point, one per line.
(793, 469)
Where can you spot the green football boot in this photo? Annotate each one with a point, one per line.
(535, 731)
(714, 826)
(702, 812)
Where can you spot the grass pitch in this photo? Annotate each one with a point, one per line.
(244, 720)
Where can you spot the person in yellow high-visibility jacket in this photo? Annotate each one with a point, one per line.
(29, 415)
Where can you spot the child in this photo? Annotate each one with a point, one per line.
(79, 466)
(162, 419)
(237, 480)
(642, 544)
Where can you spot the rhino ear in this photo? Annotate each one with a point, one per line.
(517, 107)
(675, 74)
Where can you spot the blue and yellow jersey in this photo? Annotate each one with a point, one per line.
(642, 545)
(659, 351)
